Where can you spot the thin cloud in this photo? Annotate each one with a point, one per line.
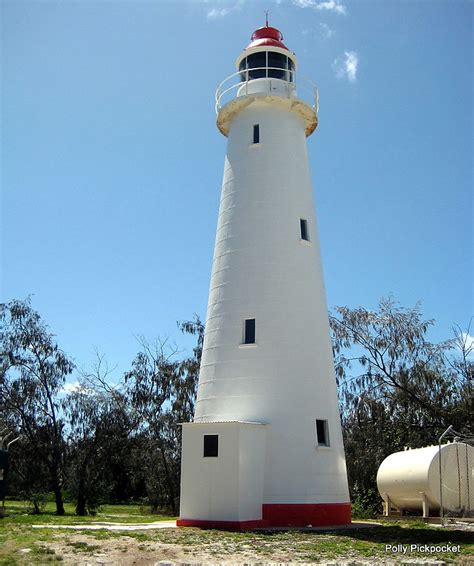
(328, 6)
(82, 387)
(346, 67)
(215, 13)
(218, 12)
(321, 32)
(325, 31)
(332, 6)
(468, 341)
(74, 387)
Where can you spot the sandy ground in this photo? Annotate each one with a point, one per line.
(136, 545)
(83, 548)
(127, 551)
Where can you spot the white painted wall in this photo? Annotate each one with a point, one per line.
(404, 476)
(262, 270)
(270, 86)
(228, 487)
(252, 442)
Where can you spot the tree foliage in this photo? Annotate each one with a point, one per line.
(100, 442)
(99, 425)
(161, 391)
(33, 371)
(397, 388)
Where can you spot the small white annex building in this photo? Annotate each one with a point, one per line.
(265, 447)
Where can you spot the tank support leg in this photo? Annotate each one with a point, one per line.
(387, 505)
(426, 506)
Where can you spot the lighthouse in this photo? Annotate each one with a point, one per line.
(265, 447)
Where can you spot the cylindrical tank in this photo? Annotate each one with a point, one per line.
(406, 478)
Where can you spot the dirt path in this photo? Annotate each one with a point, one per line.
(97, 526)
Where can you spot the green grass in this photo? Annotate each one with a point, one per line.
(16, 533)
(80, 546)
(17, 512)
(15, 538)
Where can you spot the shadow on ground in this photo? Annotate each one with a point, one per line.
(395, 534)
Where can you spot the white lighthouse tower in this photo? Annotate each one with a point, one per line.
(265, 447)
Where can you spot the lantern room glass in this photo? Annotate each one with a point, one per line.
(267, 64)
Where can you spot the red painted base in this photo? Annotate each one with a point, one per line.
(304, 514)
(283, 515)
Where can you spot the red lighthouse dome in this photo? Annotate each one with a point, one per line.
(267, 36)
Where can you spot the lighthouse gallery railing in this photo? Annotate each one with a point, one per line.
(233, 86)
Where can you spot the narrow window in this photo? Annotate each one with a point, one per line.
(304, 229)
(256, 133)
(322, 432)
(211, 445)
(249, 331)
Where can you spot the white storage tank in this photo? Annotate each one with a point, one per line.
(410, 480)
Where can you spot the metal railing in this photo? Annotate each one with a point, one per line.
(234, 86)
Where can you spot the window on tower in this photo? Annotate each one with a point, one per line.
(256, 133)
(249, 331)
(211, 445)
(304, 234)
(322, 432)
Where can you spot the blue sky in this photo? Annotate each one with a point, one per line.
(112, 163)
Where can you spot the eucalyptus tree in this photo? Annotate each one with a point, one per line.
(392, 360)
(397, 388)
(185, 387)
(161, 390)
(33, 372)
(462, 367)
(29, 477)
(99, 426)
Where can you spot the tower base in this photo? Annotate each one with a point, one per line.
(283, 515)
(306, 514)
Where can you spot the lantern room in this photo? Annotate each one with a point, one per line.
(266, 57)
(266, 68)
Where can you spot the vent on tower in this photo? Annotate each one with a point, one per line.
(249, 331)
(322, 432)
(256, 133)
(304, 229)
